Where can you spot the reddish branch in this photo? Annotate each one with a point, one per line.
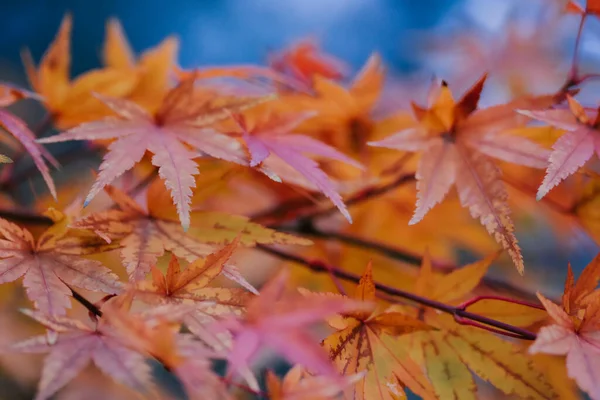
(460, 314)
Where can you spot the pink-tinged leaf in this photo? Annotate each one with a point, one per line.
(77, 345)
(553, 339)
(273, 136)
(122, 155)
(583, 365)
(258, 151)
(13, 268)
(311, 171)
(83, 273)
(562, 119)
(232, 273)
(177, 168)
(141, 250)
(62, 366)
(122, 364)
(21, 132)
(10, 94)
(435, 176)
(127, 110)
(210, 142)
(178, 121)
(412, 139)
(513, 149)
(45, 270)
(110, 128)
(306, 144)
(570, 152)
(284, 327)
(45, 290)
(305, 351)
(480, 188)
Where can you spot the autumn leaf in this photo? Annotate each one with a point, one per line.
(20, 131)
(156, 333)
(271, 135)
(145, 234)
(458, 142)
(154, 67)
(179, 122)
(304, 59)
(366, 341)
(191, 286)
(52, 260)
(279, 321)
(577, 338)
(573, 149)
(453, 352)
(345, 115)
(298, 384)
(591, 7)
(70, 102)
(78, 344)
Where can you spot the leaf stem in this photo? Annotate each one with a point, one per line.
(461, 316)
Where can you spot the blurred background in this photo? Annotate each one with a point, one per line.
(526, 46)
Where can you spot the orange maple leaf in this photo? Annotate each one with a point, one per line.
(70, 102)
(191, 286)
(366, 341)
(457, 142)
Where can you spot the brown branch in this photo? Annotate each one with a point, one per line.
(25, 217)
(459, 314)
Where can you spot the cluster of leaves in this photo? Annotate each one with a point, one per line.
(280, 143)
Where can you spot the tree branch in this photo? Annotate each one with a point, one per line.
(460, 315)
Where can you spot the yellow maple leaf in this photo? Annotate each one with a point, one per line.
(367, 341)
(71, 101)
(154, 67)
(453, 353)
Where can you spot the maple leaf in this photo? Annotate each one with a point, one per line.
(591, 7)
(366, 341)
(457, 141)
(18, 128)
(192, 286)
(154, 67)
(52, 260)
(78, 344)
(297, 384)
(156, 333)
(577, 337)
(146, 234)
(69, 101)
(344, 116)
(270, 135)
(278, 321)
(304, 59)
(180, 121)
(573, 149)
(451, 353)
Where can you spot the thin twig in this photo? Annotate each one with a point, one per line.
(395, 253)
(459, 314)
